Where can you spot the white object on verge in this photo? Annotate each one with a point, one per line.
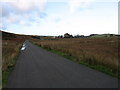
(23, 48)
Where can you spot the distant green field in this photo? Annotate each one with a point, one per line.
(103, 35)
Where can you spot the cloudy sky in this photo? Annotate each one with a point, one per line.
(56, 17)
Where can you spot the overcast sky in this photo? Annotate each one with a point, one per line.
(56, 17)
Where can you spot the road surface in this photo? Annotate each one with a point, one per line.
(38, 68)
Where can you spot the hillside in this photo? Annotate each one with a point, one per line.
(97, 53)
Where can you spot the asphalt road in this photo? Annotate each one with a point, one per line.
(38, 68)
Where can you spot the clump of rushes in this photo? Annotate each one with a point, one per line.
(97, 53)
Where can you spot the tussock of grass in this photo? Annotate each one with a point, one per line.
(97, 53)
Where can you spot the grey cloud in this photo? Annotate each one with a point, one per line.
(43, 15)
(12, 14)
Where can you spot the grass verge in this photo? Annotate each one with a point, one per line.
(98, 67)
(6, 73)
(9, 68)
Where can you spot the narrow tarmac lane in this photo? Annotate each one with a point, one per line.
(38, 68)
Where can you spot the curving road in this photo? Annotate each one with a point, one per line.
(38, 68)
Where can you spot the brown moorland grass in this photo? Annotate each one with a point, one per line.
(11, 44)
(10, 50)
(95, 51)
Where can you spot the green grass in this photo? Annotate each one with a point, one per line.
(5, 75)
(98, 67)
